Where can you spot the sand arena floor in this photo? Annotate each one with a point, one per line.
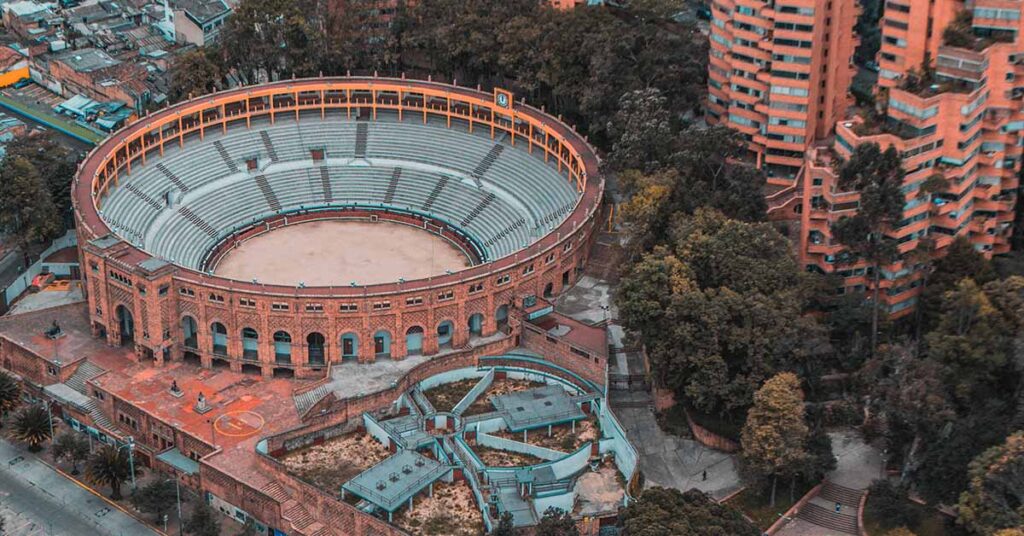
(325, 253)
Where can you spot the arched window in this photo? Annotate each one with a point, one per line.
(282, 347)
(190, 332)
(220, 338)
(250, 344)
(414, 340)
(445, 332)
(126, 323)
(315, 348)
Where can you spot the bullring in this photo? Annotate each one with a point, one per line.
(164, 202)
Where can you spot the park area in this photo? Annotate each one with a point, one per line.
(335, 461)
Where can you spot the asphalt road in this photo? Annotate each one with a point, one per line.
(38, 501)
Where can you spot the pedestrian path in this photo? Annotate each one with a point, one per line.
(36, 500)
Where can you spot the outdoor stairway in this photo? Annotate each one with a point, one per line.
(269, 146)
(85, 372)
(392, 186)
(325, 183)
(172, 177)
(362, 129)
(435, 192)
(225, 156)
(268, 192)
(295, 513)
(306, 400)
(829, 519)
(479, 208)
(198, 222)
(843, 495)
(142, 195)
(487, 162)
(275, 491)
(421, 400)
(98, 416)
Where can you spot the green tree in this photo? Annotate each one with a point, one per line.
(194, 73)
(203, 521)
(877, 176)
(32, 425)
(556, 522)
(71, 447)
(775, 435)
(959, 261)
(641, 131)
(27, 211)
(669, 512)
(110, 466)
(55, 164)
(505, 526)
(993, 500)
(10, 395)
(158, 498)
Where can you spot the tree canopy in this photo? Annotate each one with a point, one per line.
(775, 435)
(993, 500)
(669, 512)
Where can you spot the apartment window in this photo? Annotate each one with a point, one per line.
(794, 27)
(789, 58)
(446, 295)
(216, 298)
(808, 11)
(567, 247)
(893, 6)
(501, 280)
(99, 395)
(184, 291)
(549, 259)
(314, 307)
(418, 300)
(792, 91)
(527, 270)
(381, 306)
(279, 306)
(128, 421)
(348, 307)
(785, 122)
(476, 287)
(896, 24)
(162, 291)
(798, 43)
(247, 302)
(94, 267)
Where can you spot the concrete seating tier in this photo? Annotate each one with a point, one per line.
(182, 203)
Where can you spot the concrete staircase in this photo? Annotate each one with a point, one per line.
(306, 400)
(821, 510)
(98, 416)
(85, 372)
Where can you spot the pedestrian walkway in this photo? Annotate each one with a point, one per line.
(833, 511)
(36, 500)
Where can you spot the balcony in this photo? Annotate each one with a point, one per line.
(961, 64)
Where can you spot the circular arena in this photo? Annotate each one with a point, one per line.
(277, 229)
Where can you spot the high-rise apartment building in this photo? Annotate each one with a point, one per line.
(779, 72)
(958, 124)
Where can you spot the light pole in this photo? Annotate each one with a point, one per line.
(49, 416)
(130, 445)
(177, 494)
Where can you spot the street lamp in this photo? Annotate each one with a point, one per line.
(130, 445)
(49, 416)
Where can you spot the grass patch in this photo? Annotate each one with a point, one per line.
(482, 404)
(562, 437)
(504, 458)
(754, 502)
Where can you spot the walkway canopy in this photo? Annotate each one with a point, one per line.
(391, 483)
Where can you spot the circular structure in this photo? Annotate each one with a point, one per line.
(322, 253)
(278, 228)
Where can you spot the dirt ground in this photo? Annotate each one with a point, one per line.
(324, 253)
(503, 458)
(562, 437)
(332, 463)
(599, 491)
(450, 512)
(498, 387)
(445, 396)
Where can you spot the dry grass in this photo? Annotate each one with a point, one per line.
(562, 436)
(451, 511)
(445, 396)
(334, 462)
(504, 458)
(498, 387)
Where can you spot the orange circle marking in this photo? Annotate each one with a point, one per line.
(239, 423)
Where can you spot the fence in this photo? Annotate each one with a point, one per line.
(23, 281)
